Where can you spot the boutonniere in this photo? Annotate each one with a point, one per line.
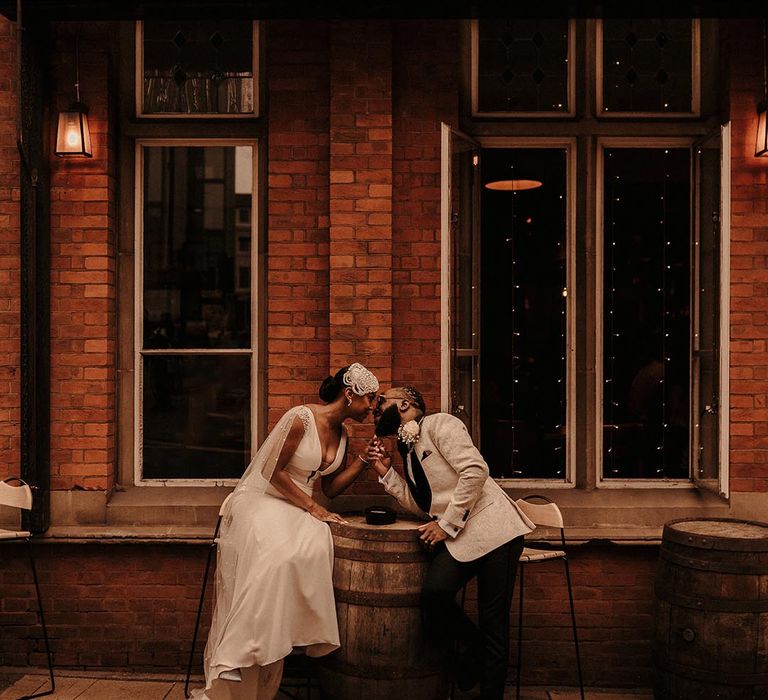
(409, 433)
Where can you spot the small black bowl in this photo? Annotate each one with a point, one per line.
(379, 515)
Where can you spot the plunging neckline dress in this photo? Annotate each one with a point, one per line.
(274, 587)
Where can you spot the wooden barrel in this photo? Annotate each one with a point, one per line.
(711, 617)
(377, 578)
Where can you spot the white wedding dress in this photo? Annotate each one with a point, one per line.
(274, 588)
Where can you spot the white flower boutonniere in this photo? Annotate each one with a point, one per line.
(408, 434)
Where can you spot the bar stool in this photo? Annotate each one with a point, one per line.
(21, 497)
(546, 514)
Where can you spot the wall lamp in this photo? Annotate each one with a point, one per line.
(73, 137)
(761, 144)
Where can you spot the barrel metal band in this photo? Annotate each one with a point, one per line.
(665, 593)
(378, 672)
(706, 676)
(706, 565)
(378, 600)
(378, 556)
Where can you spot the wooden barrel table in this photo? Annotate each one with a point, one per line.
(711, 616)
(377, 578)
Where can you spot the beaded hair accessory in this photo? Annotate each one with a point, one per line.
(361, 380)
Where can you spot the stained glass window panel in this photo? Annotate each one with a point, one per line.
(647, 65)
(197, 67)
(522, 65)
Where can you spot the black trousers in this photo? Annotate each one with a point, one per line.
(445, 622)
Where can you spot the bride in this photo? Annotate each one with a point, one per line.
(275, 554)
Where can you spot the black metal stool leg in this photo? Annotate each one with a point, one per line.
(573, 622)
(520, 632)
(42, 624)
(197, 619)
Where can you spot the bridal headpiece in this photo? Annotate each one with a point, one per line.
(361, 380)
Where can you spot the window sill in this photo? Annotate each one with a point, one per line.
(188, 514)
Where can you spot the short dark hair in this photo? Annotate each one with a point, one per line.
(416, 398)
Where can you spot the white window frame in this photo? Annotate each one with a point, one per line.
(139, 84)
(139, 352)
(695, 80)
(571, 73)
(602, 145)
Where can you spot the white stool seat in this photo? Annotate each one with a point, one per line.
(529, 554)
(13, 534)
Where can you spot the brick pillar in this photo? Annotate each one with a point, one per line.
(9, 256)
(297, 317)
(361, 196)
(83, 292)
(749, 277)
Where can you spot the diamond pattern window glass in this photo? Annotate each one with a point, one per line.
(647, 65)
(522, 65)
(197, 67)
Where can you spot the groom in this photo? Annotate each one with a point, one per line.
(476, 531)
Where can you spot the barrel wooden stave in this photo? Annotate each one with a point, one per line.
(711, 616)
(378, 575)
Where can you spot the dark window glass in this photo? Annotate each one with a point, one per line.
(522, 65)
(646, 313)
(198, 67)
(524, 322)
(194, 294)
(647, 65)
(196, 416)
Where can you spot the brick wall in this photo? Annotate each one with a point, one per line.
(749, 271)
(110, 607)
(9, 256)
(297, 208)
(134, 606)
(83, 292)
(425, 75)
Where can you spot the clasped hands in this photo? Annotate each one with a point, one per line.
(381, 460)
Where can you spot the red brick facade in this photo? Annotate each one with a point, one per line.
(351, 271)
(749, 272)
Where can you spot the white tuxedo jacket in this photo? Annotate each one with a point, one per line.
(473, 505)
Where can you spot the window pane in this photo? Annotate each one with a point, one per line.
(522, 65)
(524, 322)
(196, 260)
(646, 313)
(647, 65)
(196, 416)
(198, 67)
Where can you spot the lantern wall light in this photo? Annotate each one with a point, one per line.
(761, 143)
(73, 138)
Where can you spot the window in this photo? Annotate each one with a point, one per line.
(194, 332)
(585, 263)
(188, 68)
(647, 67)
(522, 67)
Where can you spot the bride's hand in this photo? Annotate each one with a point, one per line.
(379, 456)
(326, 516)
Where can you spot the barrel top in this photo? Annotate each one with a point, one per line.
(404, 528)
(725, 533)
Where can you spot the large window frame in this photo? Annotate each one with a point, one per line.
(139, 352)
(590, 131)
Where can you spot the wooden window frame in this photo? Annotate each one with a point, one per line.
(571, 78)
(140, 352)
(139, 84)
(695, 80)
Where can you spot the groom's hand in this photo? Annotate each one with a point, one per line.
(379, 456)
(431, 534)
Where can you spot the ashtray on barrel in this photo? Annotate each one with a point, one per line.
(379, 515)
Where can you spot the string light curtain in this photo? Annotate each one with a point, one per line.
(646, 313)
